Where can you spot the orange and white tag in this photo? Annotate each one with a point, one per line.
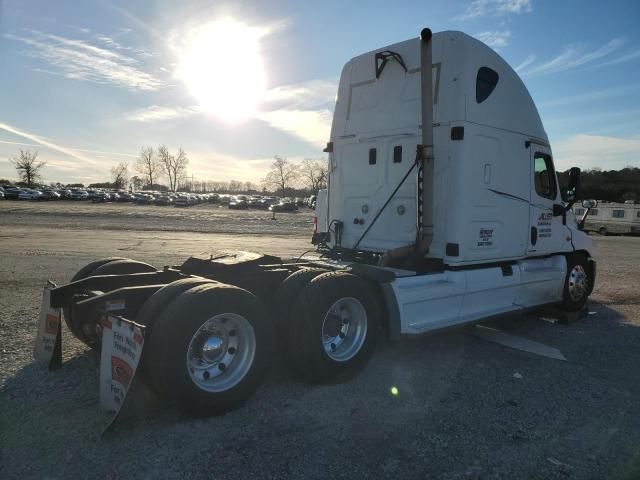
(47, 350)
(122, 343)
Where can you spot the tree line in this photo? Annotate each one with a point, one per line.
(607, 185)
(285, 177)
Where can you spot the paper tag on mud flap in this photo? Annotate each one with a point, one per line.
(48, 347)
(122, 343)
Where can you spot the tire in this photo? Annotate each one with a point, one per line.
(176, 372)
(286, 295)
(84, 272)
(323, 359)
(576, 283)
(84, 328)
(603, 231)
(156, 304)
(123, 267)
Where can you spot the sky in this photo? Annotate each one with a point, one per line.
(87, 84)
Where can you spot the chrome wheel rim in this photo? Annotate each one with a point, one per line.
(221, 352)
(578, 283)
(344, 329)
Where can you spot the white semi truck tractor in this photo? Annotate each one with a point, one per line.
(442, 209)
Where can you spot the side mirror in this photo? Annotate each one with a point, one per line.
(589, 203)
(573, 189)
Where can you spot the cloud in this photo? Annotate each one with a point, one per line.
(589, 151)
(590, 96)
(574, 56)
(81, 60)
(156, 113)
(526, 62)
(211, 165)
(46, 143)
(75, 149)
(312, 126)
(482, 8)
(494, 39)
(307, 95)
(303, 110)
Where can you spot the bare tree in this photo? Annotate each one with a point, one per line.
(282, 176)
(174, 166)
(28, 167)
(148, 165)
(314, 174)
(136, 183)
(235, 186)
(120, 175)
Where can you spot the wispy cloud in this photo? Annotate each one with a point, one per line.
(48, 144)
(526, 62)
(86, 150)
(579, 55)
(590, 151)
(312, 126)
(590, 96)
(303, 110)
(311, 94)
(109, 63)
(495, 39)
(157, 113)
(483, 8)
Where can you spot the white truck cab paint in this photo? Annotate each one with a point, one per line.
(501, 231)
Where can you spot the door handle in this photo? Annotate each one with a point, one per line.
(534, 235)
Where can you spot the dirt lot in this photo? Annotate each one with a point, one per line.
(465, 409)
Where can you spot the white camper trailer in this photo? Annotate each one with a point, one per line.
(610, 217)
(442, 208)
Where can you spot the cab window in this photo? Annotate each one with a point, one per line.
(544, 176)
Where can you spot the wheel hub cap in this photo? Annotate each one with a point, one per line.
(344, 329)
(221, 352)
(578, 283)
(212, 349)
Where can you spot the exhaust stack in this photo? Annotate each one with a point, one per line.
(425, 166)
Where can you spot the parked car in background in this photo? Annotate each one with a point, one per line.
(182, 201)
(28, 194)
(145, 199)
(49, 195)
(125, 197)
(100, 197)
(164, 200)
(79, 195)
(285, 205)
(239, 202)
(12, 193)
(1, 194)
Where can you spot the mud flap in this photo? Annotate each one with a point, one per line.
(122, 344)
(48, 347)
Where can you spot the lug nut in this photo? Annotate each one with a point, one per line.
(342, 335)
(333, 346)
(232, 333)
(232, 350)
(206, 375)
(222, 367)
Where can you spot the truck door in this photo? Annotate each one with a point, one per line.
(547, 232)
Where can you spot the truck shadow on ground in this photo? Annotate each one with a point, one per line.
(435, 364)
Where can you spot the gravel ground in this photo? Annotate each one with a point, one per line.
(465, 409)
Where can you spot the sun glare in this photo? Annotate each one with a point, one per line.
(221, 66)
